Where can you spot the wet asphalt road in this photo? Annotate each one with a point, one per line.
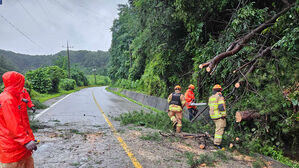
(79, 111)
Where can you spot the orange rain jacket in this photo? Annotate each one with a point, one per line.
(25, 118)
(13, 133)
(189, 96)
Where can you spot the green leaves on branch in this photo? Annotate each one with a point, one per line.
(46, 80)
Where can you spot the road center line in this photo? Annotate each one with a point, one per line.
(41, 113)
(118, 137)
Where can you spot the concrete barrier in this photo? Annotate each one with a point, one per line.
(158, 102)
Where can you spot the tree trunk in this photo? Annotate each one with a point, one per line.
(246, 115)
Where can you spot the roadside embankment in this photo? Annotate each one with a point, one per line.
(156, 102)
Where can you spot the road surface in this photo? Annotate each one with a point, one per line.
(80, 114)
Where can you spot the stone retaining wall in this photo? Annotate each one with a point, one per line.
(157, 102)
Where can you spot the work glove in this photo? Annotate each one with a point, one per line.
(32, 145)
(33, 109)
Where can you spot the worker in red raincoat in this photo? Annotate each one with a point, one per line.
(26, 101)
(190, 98)
(16, 144)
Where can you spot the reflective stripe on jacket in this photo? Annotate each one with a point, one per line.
(214, 101)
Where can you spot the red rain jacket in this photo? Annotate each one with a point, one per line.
(189, 96)
(25, 118)
(13, 133)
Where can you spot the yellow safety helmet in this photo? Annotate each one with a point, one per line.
(191, 87)
(177, 87)
(217, 87)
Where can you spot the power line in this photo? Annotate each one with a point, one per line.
(18, 30)
(29, 14)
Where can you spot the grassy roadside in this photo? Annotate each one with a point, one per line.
(101, 81)
(44, 97)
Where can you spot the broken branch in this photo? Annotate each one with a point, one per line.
(239, 44)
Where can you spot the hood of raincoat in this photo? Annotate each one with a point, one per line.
(13, 82)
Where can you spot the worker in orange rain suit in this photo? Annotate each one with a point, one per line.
(16, 144)
(26, 101)
(176, 102)
(218, 114)
(189, 96)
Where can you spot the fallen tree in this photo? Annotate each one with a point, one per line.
(236, 46)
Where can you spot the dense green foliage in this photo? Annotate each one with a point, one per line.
(87, 60)
(5, 66)
(67, 84)
(99, 80)
(79, 77)
(46, 80)
(157, 44)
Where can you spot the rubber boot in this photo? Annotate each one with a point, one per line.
(174, 121)
(178, 129)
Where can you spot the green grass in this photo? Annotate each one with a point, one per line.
(42, 97)
(74, 131)
(221, 155)
(157, 120)
(202, 159)
(151, 137)
(258, 164)
(101, 80)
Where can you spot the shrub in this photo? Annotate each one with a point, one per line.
(40, 80)
(45, 80)
(79, 77)
(67, 84)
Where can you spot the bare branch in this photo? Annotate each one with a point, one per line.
(286, 2)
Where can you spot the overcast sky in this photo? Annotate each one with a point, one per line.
(46, 25)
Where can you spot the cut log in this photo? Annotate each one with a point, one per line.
(202, 142)
(246, 115)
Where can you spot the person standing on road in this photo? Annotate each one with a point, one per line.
(218, 114)
(176, 102)
(16, 144)
(26, 101)
(190, 98)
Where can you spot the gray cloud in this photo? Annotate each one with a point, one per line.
(50, 23)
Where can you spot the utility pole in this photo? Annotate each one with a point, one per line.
(95, 75)
(130, 42)
(68, 58)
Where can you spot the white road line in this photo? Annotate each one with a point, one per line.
(41, 113)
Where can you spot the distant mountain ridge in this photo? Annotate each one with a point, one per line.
(84, 59)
